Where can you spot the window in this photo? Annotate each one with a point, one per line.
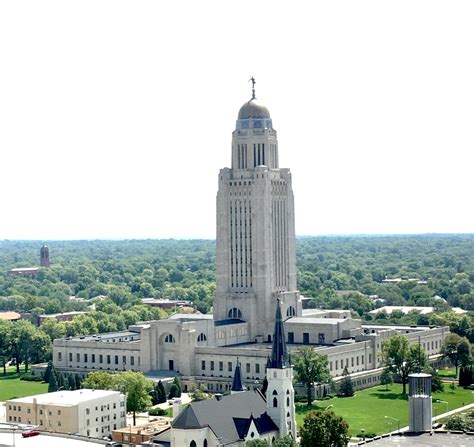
(59, 423)
(290, 312)
(60, 356)
(257, 368)
(59, 412)
(212, 365)
(70, 356)
(229, 366)
(124, 360)
(202, 337)
(116, 359)
(108, 359)
(78, 357)
(291, 337)
(93, 358)
(321, 339)
(203, 365)
(336, 363)
(169, 338)
(85, 358)
(101, 358)
(235, 313)
(132, 360)
(306, 338)
(275, 402)
(221, 366)
(247, 368)
(192, 444)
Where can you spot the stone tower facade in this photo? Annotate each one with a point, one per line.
(44, 256)
(256, 260)
(280, 392)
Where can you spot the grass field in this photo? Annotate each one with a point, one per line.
(11, 386)
(368, 408)
(449, 373)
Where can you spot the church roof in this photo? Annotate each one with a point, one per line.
(229, 418)
(280, 358)
(237, 382)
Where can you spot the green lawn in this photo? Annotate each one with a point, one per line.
(449, 373)
(368, 408)
(11, 386)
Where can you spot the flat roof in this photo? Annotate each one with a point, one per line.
(425, 440)
(66, 397)
(105, 336)
(189, 317)
(309, 320)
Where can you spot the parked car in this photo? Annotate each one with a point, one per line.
(30, 433)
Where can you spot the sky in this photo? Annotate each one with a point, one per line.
(116, 116)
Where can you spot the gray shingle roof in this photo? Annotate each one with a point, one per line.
(228, 418)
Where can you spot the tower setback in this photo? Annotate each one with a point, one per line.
(256, 260)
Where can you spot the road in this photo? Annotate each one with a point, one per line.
(6, 439)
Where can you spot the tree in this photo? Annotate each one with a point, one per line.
(436, 383)
(5, 343)
(324, 429)
(71, 383)
(386, 378)
(311, 368)
(137, 389)
(53, 382)
(346, 389)
(178, 384)
(158, 395)
(465, 376)
(100, 380)
(257, 443)
(286, 441)
(402, 359)
(457, 349)
(48, 371)
(198, 393)
(78, 380)
(174, 391)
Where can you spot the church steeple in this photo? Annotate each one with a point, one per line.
(280, 358)
(237, 382)
(280, 393)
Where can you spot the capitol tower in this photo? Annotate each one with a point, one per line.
(256, 259)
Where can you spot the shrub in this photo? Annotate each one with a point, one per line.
(29, 377)
(158, 412)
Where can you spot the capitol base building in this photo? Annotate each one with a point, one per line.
(256, 268)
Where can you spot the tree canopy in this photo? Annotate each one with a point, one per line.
(324, 429)
(311, 368)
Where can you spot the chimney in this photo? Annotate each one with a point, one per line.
(176, 406)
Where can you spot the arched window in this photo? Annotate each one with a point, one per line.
(287, 401)
(192, 444)
(288, 414)
(287, 392)
(290, 312)
(235, 313)
(275, 402)
(204, 444)
(202, 337)
(275, 393)
(169, 338)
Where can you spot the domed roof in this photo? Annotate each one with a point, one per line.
(253, 109)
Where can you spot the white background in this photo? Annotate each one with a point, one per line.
(115, 117)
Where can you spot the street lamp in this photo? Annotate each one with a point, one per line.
(443, 402)
(394, 419)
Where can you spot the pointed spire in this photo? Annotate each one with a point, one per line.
(237, 382)
(280, 358)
